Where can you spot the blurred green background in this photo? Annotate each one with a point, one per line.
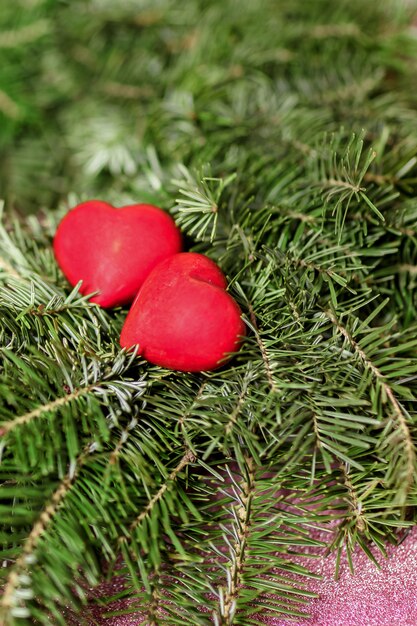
(99, 97)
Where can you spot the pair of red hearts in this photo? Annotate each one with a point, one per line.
(181, 317)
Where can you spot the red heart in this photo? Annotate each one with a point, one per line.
(113, 250)
(182, 317)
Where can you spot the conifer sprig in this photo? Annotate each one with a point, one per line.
(282, 137)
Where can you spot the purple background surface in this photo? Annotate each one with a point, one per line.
(371, 597)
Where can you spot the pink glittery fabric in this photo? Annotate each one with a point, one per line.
(371, 597)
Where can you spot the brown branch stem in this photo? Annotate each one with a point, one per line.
(354, 503)
(226, 614)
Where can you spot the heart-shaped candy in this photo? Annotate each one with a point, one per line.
(182, 317)
(113, 250)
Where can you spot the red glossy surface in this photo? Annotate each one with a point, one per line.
(113, 250)
(183, 318)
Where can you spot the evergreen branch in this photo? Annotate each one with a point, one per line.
(317, 446)
(296, 215)
(224, 616)
(148, 17)
(114, 457)
(238, 408)
(355, 505)
(6, 267)
(24, 35)
(408, 269)
(316, 431)
(322, 31)
(294, 309)
(197, 210)
(342, 184)
(380, 179)
(188, 457)
(397, 414)
(115, 454)
(8, 106)
(183, 417)
(27, 556)
(128, 92)
(152, 608)
(317, 268)
(265, 358)
(296, 206)
(305, 149)
(388, 226)
(408, 232)
(7, 427)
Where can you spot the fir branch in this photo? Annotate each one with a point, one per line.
(317, 268)
(183, 416)
(228, 597)
(24, 35)
(9, 603)
(238, 408)
(265, 358)
(408, 268)
(348, 29)
(9, 269)
(188, 457)
(316, 430)
(334, 183)
(8, 106)
(115, 455)
(7, 427)
(397, 413)
(355, 505)
(154, 604)
(295, 215)
(198, 207)
(128, 92)
(318, 445)
(281, 187)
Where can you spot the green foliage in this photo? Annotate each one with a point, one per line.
(282, 136)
